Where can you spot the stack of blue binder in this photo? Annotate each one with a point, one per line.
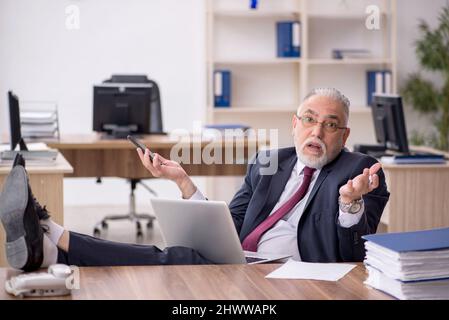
(409, 265)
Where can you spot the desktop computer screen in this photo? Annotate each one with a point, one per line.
(122, 109)
(389, 123)
(37, 157)
(14, 122)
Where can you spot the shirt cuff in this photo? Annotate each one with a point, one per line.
(197, 195)
(348, 220)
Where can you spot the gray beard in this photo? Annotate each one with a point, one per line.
(312, 162)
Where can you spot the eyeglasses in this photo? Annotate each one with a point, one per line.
(328, 126)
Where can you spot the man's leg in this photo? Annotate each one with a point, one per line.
(28, 248)
(62, 246)
(84, 250)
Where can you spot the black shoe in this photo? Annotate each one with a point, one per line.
(19, 161)
(42, 212)
(24, 235)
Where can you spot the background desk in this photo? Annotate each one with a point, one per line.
(92, 156)
(47, 185)
(419, 197)
(208, 282)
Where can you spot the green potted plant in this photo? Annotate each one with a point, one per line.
(432, 50)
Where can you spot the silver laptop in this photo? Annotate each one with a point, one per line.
(207, 227)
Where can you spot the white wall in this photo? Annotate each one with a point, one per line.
(40, 59)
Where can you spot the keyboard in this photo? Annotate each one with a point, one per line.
(253, 259)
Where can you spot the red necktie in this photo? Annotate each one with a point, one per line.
(252, 239)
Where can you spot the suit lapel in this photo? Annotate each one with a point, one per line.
(275, 188)
(278, 183)
(270, 190)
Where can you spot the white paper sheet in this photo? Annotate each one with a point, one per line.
(314, 271)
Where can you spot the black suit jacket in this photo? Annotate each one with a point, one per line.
(320, 237)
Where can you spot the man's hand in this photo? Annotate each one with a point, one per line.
(362, 184)
(167, 169)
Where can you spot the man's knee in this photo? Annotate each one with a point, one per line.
(184, 255)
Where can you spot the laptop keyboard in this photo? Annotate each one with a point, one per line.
(253, 259)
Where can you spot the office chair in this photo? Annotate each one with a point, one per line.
(132, 215)
(155, 128)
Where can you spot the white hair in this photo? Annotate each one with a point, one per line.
(333, 94)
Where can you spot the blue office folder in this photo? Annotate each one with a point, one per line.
(427, 240)
(288, 39)
(222, 88)
(374, 82)
(377, 81)
(253, 4)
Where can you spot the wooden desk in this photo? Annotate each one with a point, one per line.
(419, 197)
(93, 156)
(208, 282)
(47, 185)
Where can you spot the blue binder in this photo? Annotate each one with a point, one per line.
(288, 39)
(376, 82)
(222, 88)
(427, 240)
(253, 4)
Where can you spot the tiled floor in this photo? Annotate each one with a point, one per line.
(83, 219)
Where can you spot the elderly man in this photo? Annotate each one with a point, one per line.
(315, 207)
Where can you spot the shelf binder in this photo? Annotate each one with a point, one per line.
(378, 81)
(222, 88)
(253, 4)
(288, 39)
(340, 54)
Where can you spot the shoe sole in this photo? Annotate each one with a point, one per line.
(13, 202)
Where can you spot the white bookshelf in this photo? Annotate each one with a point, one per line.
(266, 90)
(263, 83)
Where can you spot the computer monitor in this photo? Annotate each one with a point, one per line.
(122, 109)
(14, 123)
(389, 123)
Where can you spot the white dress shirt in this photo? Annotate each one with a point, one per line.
(282, 237)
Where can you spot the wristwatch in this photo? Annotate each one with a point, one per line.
(352, 207)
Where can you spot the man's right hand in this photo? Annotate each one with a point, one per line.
(167, 169)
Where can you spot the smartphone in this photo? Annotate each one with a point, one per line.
(140, 145)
